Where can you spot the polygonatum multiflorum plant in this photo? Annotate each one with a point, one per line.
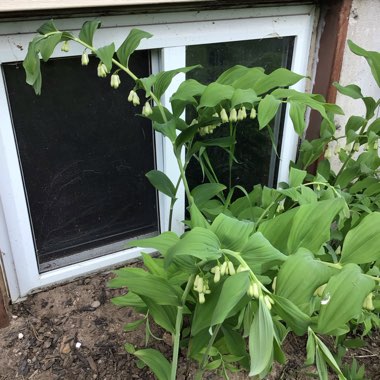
(302, 258)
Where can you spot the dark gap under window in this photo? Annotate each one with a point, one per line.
(83, 155)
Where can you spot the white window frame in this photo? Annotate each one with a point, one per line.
(171, 33)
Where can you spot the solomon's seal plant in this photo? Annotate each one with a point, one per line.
(302, 258)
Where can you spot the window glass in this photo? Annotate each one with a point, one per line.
(257, 161)
(84, 156)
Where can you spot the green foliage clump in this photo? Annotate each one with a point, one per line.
(247, 271)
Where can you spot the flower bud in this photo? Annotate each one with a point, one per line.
(231, 268)
(376, 145)
(233, 115)
(368, 303)
(217, 275)
(85, 60)
(130, 96)
(347, 148)
(274, 284)
(136, 100)
(268, 302)
(223, 268)
(102, 70)
(147, 109)
(115, 81)
(319, 291)
(215, 114)
(328, 152)
(193, 122)
(65, 46)
(356, 147)
(242, 114)
(223, 116)
(253, 290)
(253, 114)
(202, 298)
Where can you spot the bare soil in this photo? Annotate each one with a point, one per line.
(73, 332)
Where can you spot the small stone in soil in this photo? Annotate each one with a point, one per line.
(95, 304)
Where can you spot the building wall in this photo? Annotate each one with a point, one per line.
(363, 29)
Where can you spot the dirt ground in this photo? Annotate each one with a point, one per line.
(73, 332)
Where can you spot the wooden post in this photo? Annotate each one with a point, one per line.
(4, 315)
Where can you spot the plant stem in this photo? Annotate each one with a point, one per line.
(208, 348)
(264, 213)
(178, 326)
(172, 201)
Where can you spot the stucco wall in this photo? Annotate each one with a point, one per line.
(364, 30)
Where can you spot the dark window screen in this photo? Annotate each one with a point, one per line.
(257, 160)
(84, 155)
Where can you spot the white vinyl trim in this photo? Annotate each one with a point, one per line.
(172, 32)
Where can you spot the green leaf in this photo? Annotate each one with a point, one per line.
(362, 243)
(232, 233)
(296, 319)
(371, 105)
(48, 45)
(354, 123)
(47, 27)
(233, 290)
(164, 78)
(162, 243)
(88, 30)
(197, 218)
(132, 326)
(372, 57)
(199, 242)
(352, 90)
(261, 340)
(105, 54)
(278, 78)
(145, 284)
(232, 74)
(260, 255)
(296, 177)
(163, 315)
(299, 277)
(129, 300)
(242, 96)
(204, 192)
(161, 182)
(214, 94)
(310, 348)
(249, 78)
(31, 65)
(156, 362)
(236, 345)
(321, 365)
(343, 298)
(267, 110)
(130, 44)
(168, 129)
(297, 115)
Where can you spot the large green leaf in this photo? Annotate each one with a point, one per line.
(164, 78)
(296, 319)
(297, 115)
(343, 298)
(261, 341)
(232, 74)
(352, 90)
(267, 110)
(130, 44)
(88, 30)
(372, 57)
(145, 284)
(260, 255)
(161, 182)
(196, 217)
(167, 128)
(47, 27)
(163, 315)
(31, 65)
(278, 78)
(105, 54)
(128, 300)
(204, 192)
(48, 45)
(162, 243)
(233, 290)
(199, 242)
(362, 243)
(242, 96)
(311, 225)
(156, 362)
(185, 94)
(249, 78)
(300, 276)
(215, 93)
(232, 233)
